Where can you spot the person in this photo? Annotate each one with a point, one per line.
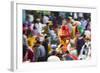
(45, 44)
(72, 49)
(63, 47)
(60, 18)
(35, 31)
(76, 28)
(28, 24)
(64, 36)
(40, 52)
(46, 29)
(79, 43)
(30, 54)
(69, 56)
(31, 40)
(86, 48)
(88, 27)
(25, 45)
(53, 34)
(45, 19)
(85, 51)
(69, 23)
(53, 58)
(29, 21)
(83, 23)
(25, 28)
(39, 26)
(64, 31)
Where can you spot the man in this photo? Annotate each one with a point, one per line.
(85, 53)
(83, 23)
(45, 44)
(45, 19)
(40, 52)
(39, 26)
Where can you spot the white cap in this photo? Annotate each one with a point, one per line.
(31, 17)
(53, 59)
(87, 33)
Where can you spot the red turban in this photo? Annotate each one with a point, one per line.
(65, 31)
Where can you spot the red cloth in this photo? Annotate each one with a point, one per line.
(65, 32)
(31, 55)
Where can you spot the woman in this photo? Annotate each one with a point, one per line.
(30, 54)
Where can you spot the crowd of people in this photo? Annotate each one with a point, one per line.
(56, 37)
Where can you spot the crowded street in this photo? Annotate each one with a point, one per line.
(56, 36)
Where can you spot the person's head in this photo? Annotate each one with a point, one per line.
(82, 18)
(34, 46)
(53, 52)
(38, 20)
(47, 15)
(29, 33)
(87, 35)
(34, 27)
(67, 52)
(29, 43)
(69, 19)
(47, 24)
(30, 18)
(64, 22)
(76, 23)
(46, 38)
(38, 43)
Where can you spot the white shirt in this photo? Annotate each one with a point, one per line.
(83, 23)
(53, 34)
(39, 27)
(53, 59)
(45, 19)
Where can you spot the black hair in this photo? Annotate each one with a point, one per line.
(46, 37)
(67, 52)
(38, 42)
